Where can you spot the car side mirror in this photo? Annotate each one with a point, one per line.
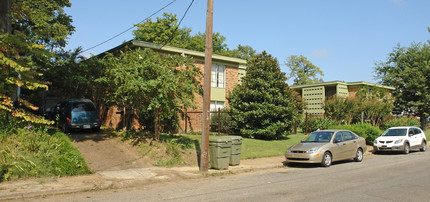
(337, 141)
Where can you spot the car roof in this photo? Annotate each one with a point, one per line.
(403, 127)
(332, 130)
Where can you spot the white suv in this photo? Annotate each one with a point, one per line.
(402, 138)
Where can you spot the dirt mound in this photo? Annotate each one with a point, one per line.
(105, 152)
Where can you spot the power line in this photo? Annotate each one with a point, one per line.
(132, 27)
(179, 24)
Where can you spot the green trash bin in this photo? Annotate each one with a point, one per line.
(236, 150)
(219, 150)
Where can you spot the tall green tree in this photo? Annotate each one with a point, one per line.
(166, 31)
(143, 81)
(302, 70)
(263, 106)
(243, 52)
(38, 26)
(408, 70)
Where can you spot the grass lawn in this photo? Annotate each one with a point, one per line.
(252, 148)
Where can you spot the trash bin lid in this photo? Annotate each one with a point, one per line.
(220, 139)
(236, 139)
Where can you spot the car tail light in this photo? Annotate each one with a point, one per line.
(68, 120)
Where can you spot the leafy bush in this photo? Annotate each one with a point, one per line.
(36, 151)
(315, 122)
(223, 120)
(401, 121)
(365, 130)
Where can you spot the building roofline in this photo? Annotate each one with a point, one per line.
(332, 83)
(360, 83)
(170, 49)
(328, 83)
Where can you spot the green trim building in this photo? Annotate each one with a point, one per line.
(226, 73)
(317, 93)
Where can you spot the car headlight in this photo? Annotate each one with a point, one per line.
(289, 150)
(398, 141)
(313, 150)
(375, 141)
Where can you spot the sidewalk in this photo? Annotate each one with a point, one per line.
(17, 190)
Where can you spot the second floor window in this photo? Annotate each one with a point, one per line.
(218, 76)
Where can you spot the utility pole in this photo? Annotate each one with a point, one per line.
(207, 89)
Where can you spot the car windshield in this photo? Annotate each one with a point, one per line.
(83, 106)
(395, 132)
(319, 137)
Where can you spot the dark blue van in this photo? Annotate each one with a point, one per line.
(78, 114)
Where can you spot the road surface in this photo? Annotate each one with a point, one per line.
(386, 177)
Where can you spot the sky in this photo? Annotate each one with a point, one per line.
(344, 38)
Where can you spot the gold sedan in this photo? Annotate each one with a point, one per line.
(327, 146)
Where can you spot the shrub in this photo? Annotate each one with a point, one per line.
(224, 120)
(401, 121)
(365, 130)
(36, 151)
(315, 122)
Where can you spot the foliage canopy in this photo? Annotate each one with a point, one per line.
(408, 70)
(263, 106)
(302, 70)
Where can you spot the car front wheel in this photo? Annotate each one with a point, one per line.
(423, 146)
(406, 149)
(358, 155)
(326, 160)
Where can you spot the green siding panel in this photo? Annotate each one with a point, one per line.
(342, 90)
(314, 98)
(218, 94)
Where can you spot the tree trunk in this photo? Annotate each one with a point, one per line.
(156, 121)
(425, 125)
(124, 126)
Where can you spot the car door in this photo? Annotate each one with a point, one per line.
(351, 144)
(417, 137)
(413, 138)
(339, 149)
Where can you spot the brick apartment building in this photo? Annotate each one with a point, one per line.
(317, 93)
(225, 75)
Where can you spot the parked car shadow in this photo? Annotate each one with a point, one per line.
(314, 165)
(80, 136)
(389, 153)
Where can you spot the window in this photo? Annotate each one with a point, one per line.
(215, 105)
(218, 76)
(348, 136)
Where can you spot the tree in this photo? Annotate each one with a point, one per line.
(36, 25)
(166, 31)
(341, 109)
(263, 106)
(143, 81)
(408, 70)
(243, 52)
(163, 31)
(302, 70)
(375, 103)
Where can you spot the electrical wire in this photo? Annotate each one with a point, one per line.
(179, 24)
(132, 27)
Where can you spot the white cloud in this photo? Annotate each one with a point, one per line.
(320, 53)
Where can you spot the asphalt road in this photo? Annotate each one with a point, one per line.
(388, 177)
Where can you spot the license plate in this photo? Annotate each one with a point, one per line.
(384, 145)
(87, 126)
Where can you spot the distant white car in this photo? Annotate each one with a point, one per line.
(402, 138)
